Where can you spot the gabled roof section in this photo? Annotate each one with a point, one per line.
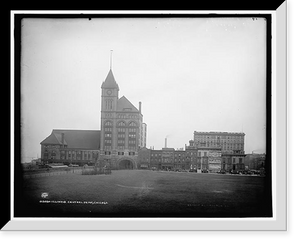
(110, 81)
(84, 139)
(124, 104)
(52, 139)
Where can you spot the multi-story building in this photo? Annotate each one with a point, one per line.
(121, 127)
(210, 153)
(231, 145)
(192, 158)
(229, 142)
(235, 162)
(122, 132)
(167, 157)
(204, 158)
(180, 160)
(155, 159)
(144, 158)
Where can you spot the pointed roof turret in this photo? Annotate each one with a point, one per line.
(110, 81)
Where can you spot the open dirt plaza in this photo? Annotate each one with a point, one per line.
(143, 193)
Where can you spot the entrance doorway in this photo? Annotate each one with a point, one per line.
(125, 164)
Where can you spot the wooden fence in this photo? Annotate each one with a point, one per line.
(51, 172)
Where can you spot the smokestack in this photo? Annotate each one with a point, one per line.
(166, 142)
(140, 107)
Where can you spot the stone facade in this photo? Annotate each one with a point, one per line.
(121, 128)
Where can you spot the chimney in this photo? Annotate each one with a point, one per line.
(166, 142)
(63, 139)
(140, 107)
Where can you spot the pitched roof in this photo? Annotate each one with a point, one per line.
(52, 139)
(110, 81)
(59, 138)
(124, 104)
(85, 139)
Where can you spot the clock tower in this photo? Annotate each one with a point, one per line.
(109, 99)
(121, 133)
(110, 93)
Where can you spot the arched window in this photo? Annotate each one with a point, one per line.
(121, 124)
(108, 126)
(132, 124)
(108, 123)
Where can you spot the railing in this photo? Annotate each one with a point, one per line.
(50, 172)
(96, 171)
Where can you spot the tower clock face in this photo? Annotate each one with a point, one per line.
(109, 92)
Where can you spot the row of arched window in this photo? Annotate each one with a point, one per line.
(127, 116)
(108, 123)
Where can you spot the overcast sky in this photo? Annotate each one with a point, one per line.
(191, 74)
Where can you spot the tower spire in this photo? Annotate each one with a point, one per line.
(110, 59)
